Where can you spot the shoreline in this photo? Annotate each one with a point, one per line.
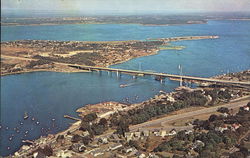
(86, 109)
(106, 109)
(101, 62)
(96, 23)
(76, 70)
(100, 23)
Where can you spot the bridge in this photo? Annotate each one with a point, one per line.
(160, 76)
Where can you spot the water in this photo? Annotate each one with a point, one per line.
(50, 95)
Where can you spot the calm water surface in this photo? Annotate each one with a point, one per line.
(50, 95)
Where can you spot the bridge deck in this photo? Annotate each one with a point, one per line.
(143, 72)
(163, 75)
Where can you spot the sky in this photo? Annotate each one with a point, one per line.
(130, 6)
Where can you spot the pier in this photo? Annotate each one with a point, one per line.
(72, 118)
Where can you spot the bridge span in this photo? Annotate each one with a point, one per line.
(143, 73)
(160, 75)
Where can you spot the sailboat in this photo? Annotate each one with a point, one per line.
(26, 116)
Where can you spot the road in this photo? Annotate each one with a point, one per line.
(149, 124)
(163, 75)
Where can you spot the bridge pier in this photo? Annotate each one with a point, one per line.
(162, 80)
(134, 76)
(161, 76)
(117, 74)
(109, 73)
(99, 72)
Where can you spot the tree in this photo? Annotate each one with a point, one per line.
(76, 138)
(248, 104)
(176, 156)
(103, 122)
(90, 117)
(122, 127)
(86, 140)
(213, 118)
(98, 129)
(237, 155)
(223, 110)
(84, 126)
(207, 154)
(47, 150)
(134, 144)
(181, 135)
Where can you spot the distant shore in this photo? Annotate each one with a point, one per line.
(30, 55)
(144, 24)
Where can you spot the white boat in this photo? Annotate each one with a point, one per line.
(26, 116)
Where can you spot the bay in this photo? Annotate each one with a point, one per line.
(50, 95)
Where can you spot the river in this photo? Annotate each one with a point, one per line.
(47, 96)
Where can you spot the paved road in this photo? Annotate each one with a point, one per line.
(167, 119)
(164, 75)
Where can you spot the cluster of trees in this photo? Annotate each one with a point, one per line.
(218, 95)
(94, 128)
(38, 62)
(137, 116)
(213, 141)
(80, 58)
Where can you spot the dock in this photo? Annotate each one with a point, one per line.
(72, 118)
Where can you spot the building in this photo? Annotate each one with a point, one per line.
(163, 133)
(172, 132)
(97, 152)
(129, 136)
(146, 133)
(115, 146)
(221, 129)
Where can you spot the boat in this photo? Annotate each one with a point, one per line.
(123, 85)
(26, 116)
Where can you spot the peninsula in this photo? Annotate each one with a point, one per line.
(42, 55)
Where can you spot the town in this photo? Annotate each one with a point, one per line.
(200, 122)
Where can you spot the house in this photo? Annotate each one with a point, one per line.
(128, 150)
(221, 129)
(246, 108)
(156, 132)
(103, 140)
(129, 136)
(65, 153)
(170, 99)
(132, 153)
(140, 155)
(188, 132)
(197, 143)
(97, 152)
(225, 114)
(235, 126)
(115, 137)
(137, 135)
(152, 155)
(172, 132)
(146, 133)
(85, 133)
(78, 147)
(115, 146)
(163, 133)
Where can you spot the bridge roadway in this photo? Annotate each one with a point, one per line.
(162, 75)
(138, 73)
